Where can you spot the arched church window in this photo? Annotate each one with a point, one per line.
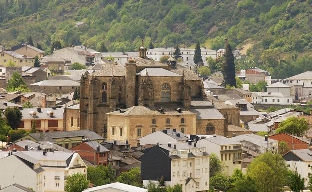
(165, 92)
(104, 86)
(104, 96)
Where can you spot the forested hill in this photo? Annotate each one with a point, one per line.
(276, 31)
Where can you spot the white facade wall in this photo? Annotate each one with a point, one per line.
(284, 90)
(303, 168)
(13, 170)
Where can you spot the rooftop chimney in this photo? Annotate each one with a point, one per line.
(169, 144)
(175, 146)
(39, 110)
(26, 147)
(165, 131)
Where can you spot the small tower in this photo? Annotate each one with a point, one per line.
(142, 51)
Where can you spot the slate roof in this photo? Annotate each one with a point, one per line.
(257, 127)
(221, 140)
(16, 188)
(57, 83)
(209, 113)
(141, 62)
(44, 114)
(142, 110)
(188, 74)
(43, 145)
(37, 156)
(302, 76)
(68, 134)
(277, 84)
(303, 154)
(116, 186)
(5, 104)
(109, 70)
(157, 72)
(94, 144)
(14, 54)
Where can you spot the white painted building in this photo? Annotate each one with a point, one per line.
(227, 150)
(40, 170)
(300, 160)
(184, 163)
(302, 83)
(186, 53)
(279, 87)
(276, 98)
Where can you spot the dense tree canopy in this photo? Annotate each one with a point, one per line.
(293, 125)
(132, 177)
(228, 68)
(13, 116)
(101, 175)
(76, 183)
(269, 171)
(78, 66)
(197, 55)
(16, 83)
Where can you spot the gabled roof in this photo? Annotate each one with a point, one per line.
(277, 84)
(46, 113)
(67, 134)
(16, 188)
(221, 140)
(116, 186)
(208, 113)
(157, 72)
(303, 154)
(302, 76)
(57, 83)
(95, 144)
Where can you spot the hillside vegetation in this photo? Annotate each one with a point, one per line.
(280, 30)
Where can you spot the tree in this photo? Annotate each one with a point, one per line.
(30, 41)
(56, 45)
(214, 65)
(16, 83)
(39, 46)
(102, 47)
(269, 171)
(151, 45)
(258, 87)
(204, 71)
(197, 56)
(16, 134)
(101, 175)
(294, 126)
(177, 53)
(37, 62)
(229, 66)
(220, 181)
(4, 129)
(295, 181)
(164, 59)
(27, 104)
(13, 116)
(76, 95)
(76, 183)
(132, 177)
(282, 147)
(246, 184)
(78, 66)
(215, 165)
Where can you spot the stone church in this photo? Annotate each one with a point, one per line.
(141, 82)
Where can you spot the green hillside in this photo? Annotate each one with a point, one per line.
(278, 33)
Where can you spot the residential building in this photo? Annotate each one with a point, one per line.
(28, 50)
(254, 75)
(138, 121)
(67, 139)
(16, 188)
(163, 137)
(115, 187)
(55, 65)
(40, 170)
(300, 160)
(55, 86)
(293, 142)
(28, 145)
(15, 58)
(302, 84)
(93, 152)
(227, 150)
(120, 58)
(180, 163)
(80, 54)
(271, 98)
(42, 119)
(71, 118)
(279, 87)
(254, 145)
(187, 54)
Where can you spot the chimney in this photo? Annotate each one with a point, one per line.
(44, 152)
(165, 131)
(98, 148)
(26, 147)
(178, 134)
(5, 103)
(39, 110)
(189, 142)
(179, 110)
(174, 130)
(175, 146)
(195, 144)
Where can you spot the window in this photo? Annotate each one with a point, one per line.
(56, 177)
(167, 121)
(182, 129)
(182, 120)
(139, 132)
(209, 128)
(153, 121)
(71, 121)
(78, 122)
(277, 100)
(273, 100)
(266, 100)
(287, 100)
(165, 92)
(104, 86)
(113, 130)
(153, 130)
(104, 96)
(21, 61)
(120, 130)
(57, 184)
(60, 87)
